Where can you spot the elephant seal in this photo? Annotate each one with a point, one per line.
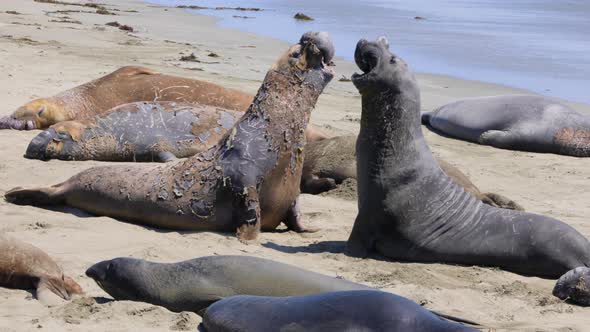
(410, 210)
(195, 284)
(247, 182)
(360, 310)
(330, 161)
(125, 85)
(24, 266)
(141, 131)
(574, 286)
(515, 122)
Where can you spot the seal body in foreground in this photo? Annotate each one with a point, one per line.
(345, 311)
(410, 210)
(515, 122)
(248, 181)
(141, 131)
(125, 85)
(24, 266)
(330, 161)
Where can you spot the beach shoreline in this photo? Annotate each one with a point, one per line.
(40, 58)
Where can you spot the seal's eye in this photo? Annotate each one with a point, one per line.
(393, 60)
(41, 110)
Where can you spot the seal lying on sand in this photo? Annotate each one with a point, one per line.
(195, 284)
(125, 85)
(410, 210)
(249, 181)
(370, 311)
(25, 266)
(515, 122)
(142, 131)
(574, 286)
(330, 161)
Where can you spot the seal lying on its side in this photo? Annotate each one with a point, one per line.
(142, 131)
(195, 284)
(330, 161)
(367, 311)
(410, 210)
(515, 122)
(574, 286)
(249, 181)
(125, 85)
(25, 266)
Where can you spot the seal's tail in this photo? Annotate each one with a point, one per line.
(500, 201)
(34, 196)
(425, 116)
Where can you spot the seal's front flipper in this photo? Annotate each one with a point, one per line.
(50, 291)
(34, 196)
(500, 201)
(293, 219)
(315, 185)
(498, 138)
(165, 157)
(360, 242)
(246, 214)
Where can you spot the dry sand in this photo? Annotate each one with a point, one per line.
(41, 58)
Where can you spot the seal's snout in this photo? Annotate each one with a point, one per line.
(367, 55)
(10, 122)
(98, 271)
(319, 47)
(37, 149)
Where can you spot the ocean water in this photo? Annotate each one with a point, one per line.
(539, 45)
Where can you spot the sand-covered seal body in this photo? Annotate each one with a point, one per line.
(195, 284)
(125, 85)
(24, 266)
(574, 286)
(515, 122)
(141, 131)
(346, 311)
(330, 161)
(410, 210)
(247, 182)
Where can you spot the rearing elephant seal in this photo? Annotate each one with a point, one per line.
(360, 310)
(142, 131)
(330, 161)
(410, 210)
(515, 122)
(125, 85)
(249, 181)
(195, 284)
(25, 266)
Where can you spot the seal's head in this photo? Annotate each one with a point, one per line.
(37, 114)
(383, 71)
(309, 59)
(60, 141)
(122, 278)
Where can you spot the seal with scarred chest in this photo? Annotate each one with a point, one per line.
(25, 266)
(410, 210)
(248, 181)
(515, 122)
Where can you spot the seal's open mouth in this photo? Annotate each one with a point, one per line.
(367, 57)
(319, 50)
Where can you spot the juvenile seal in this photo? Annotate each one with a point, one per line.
(24, 266)
(360, 310)
(574, 286)
(330, 161)
(515, 122)
(410, 210)
(125, 85)
(141, 131)
(249, 181)
(195, 284)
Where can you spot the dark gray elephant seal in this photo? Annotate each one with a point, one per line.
(347, 311)
(410, 210)
(195, 284)
(574, 286)
(142, 131)
(249, 181)
(330, 161)
(515, 122)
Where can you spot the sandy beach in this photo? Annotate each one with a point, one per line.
(43, 52)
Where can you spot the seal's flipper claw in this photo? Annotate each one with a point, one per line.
(165, 157)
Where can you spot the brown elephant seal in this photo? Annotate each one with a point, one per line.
(195, 284)
(410, 210)
(358, 310)
(141, 131)
(331, 161)
(515, 122)
(24, 266)
(249, 181)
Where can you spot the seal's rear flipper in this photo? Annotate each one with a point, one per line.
(500, 201)
(425, 116)
(34, 196)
